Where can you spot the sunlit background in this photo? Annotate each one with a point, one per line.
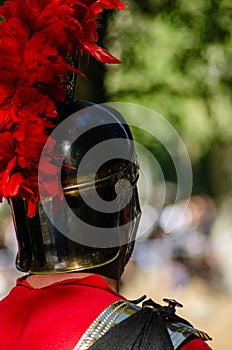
(177, 61)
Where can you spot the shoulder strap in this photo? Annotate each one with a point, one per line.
(180, 332)
(107, 319)
(117, 318)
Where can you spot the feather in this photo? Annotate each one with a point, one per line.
(37, 40)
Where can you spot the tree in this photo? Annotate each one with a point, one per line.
(177, 61)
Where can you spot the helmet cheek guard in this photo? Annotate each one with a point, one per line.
(96, 221)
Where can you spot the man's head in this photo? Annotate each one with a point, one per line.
(93, 226)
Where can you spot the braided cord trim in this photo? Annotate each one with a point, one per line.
(108, 318)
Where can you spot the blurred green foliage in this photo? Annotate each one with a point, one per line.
(177, 60)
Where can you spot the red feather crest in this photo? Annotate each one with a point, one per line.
(36, 38)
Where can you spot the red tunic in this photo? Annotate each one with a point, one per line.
(55, 317)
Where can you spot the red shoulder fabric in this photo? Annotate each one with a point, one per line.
(196, 344)
(53, 317)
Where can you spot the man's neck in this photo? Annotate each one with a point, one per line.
(40, 281)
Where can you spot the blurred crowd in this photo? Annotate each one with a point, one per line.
(183, 248)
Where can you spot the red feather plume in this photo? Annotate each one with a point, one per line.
(37, 38)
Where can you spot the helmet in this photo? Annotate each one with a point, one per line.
(78, 235)
(56, 226)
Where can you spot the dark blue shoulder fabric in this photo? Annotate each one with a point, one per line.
(145, 330)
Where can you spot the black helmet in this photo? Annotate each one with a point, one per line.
(39, 59)
(75, 233)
